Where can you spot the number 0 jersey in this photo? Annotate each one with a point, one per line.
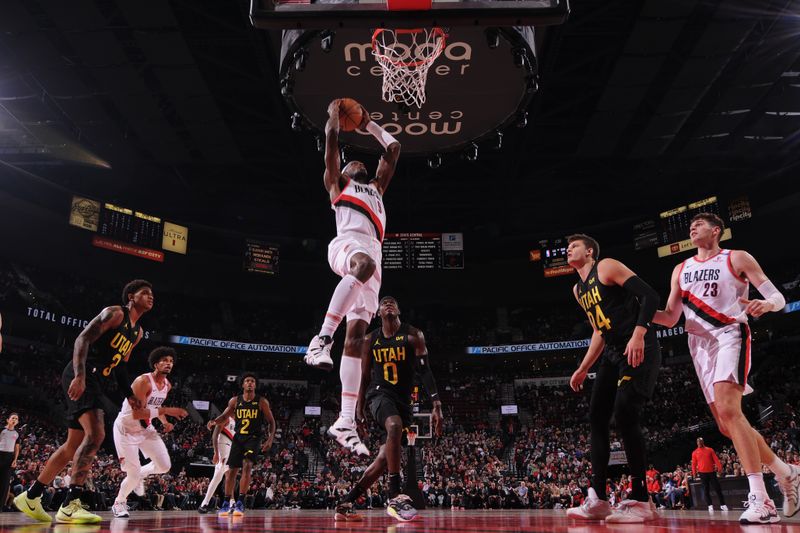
(393, 362)
(249, 418)
(710, 291)
(611, 309)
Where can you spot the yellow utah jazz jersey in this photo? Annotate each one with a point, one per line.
(393, 361)
(249, 418)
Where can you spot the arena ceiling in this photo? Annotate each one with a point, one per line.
(174, 106)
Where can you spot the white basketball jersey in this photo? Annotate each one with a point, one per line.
(229, 428)
(710, 291)
(155, 400)
(359, 209)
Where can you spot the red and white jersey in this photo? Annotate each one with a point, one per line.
(710, 291)
(359, 209)
(229, 428)
(155, 399)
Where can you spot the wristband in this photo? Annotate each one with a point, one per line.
(381, 134)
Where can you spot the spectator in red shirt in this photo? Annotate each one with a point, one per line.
(706, 462)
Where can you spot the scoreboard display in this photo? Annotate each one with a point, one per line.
(423, 251)
(554, 257)
(670, 231)
(261, 257)
(124, 230)
(127, 225)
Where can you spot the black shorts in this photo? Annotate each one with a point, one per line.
(383, 405)
(642, 378)
(93, 397)
(243, 450)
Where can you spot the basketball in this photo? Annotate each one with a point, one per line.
(350, 115)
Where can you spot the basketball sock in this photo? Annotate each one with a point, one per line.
(36, 489)
(757, 486)
(355, 493)
(126, 487)
(394, 485)
(342, 300)
(74, 493)
(350, 373)
(779, 468)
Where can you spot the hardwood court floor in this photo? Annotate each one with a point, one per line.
(378, 522)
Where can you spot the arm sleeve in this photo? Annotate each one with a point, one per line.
(648, 300)
(425, 374)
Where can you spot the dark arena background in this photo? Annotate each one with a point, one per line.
(182, 142)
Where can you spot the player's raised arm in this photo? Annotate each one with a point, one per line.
(671, 313)
(391, 146)
(333, 172)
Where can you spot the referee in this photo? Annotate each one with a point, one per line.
(706, 462)
(9, 451)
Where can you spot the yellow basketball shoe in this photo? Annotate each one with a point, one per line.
(32, 507)
(74, 513)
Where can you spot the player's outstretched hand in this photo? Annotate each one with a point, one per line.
(176, 412)
(211, 424)
(577, 379)
(755, 308)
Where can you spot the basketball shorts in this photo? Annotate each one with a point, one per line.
(243, 449)
(129, 443)
(643, 377)
(383, 405)
(721, 355)
(340, 251)
(93, 397)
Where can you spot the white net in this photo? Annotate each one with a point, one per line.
(405, 57)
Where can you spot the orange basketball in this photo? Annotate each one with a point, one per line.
(350, 114)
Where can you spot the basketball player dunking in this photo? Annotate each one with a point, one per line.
(355, 255)
(250, 412)
(711, 290)
(112, 336)
(133, 430)
(221, 440)
(395, 352)
(620, 307)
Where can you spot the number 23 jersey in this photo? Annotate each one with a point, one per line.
(710, 291)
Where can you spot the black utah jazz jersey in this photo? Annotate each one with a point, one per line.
(110, 350)
(393, 363)
(611, 309)
(249, 418)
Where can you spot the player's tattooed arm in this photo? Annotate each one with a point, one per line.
(333, 175)
(109, 318)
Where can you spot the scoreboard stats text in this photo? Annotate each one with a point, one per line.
(423, 251)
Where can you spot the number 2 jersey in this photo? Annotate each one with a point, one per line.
(393, 363)
(611, 309)
(710, 290)
(108, 352)
(249, 418)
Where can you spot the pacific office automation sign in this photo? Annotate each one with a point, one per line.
(236, 345)
(471, 89)
(532, 347)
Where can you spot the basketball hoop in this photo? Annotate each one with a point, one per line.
(405, 57)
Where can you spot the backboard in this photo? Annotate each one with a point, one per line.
(337, 14)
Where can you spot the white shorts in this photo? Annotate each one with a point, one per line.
(722, 355)
(148, 441)
(340, 250)
(223, 448)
